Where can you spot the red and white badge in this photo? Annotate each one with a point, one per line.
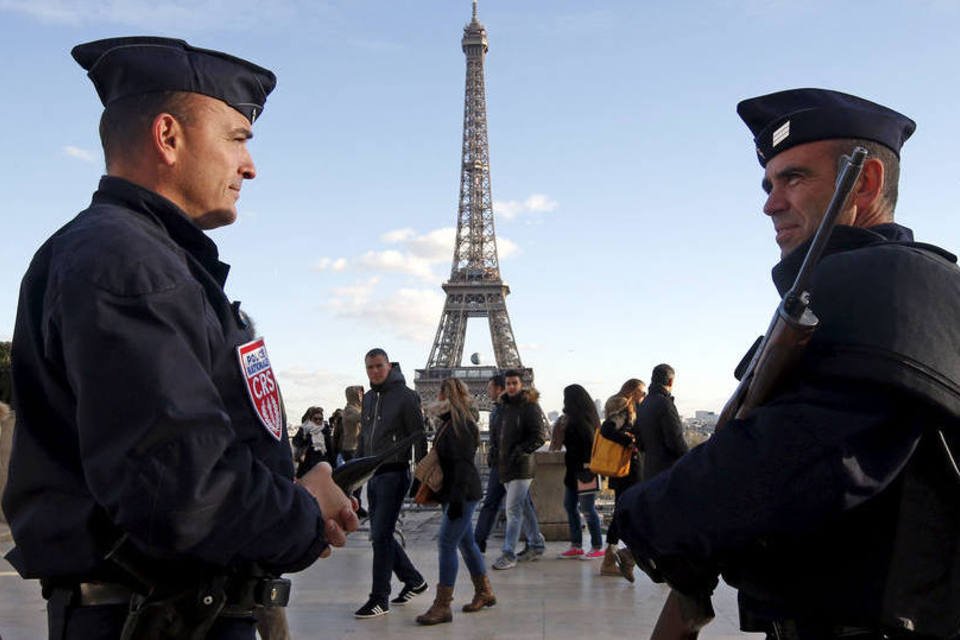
(262, 385)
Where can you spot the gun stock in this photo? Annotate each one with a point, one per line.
(789, 332)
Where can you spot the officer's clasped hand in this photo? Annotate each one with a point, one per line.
(338, 509)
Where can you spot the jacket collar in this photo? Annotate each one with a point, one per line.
(168, 216)
(843, 238)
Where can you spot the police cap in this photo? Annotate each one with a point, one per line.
(785, 119)
(124, 67)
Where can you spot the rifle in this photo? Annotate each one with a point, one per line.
(774, 356)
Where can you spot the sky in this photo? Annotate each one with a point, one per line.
(626, 189)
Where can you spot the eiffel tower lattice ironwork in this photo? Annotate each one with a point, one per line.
(475, 289)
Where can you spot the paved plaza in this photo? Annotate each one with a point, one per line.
(551, 598)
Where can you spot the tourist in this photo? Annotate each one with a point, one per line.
(581, 423)
(456, 444)
(391, 411)
(658, 424)
(521, 433)
(620, 415)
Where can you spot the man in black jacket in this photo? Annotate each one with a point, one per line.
(521, 433)
(832, 506)
(391, 411)
(151, 458)
(658, 423)
(495, 493)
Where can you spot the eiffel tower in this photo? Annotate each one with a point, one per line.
(475, 289)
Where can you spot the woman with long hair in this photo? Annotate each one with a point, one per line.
(582, 422)
(619, 425)
(456, 443)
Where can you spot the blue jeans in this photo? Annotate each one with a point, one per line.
(521, 515)
(586, 504)
(455, 534)
(491, 505)
(385, 493)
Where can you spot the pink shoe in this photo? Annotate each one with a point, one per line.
(592, 554)
(572, 552)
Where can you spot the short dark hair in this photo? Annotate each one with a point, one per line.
(128, 120)
(511, 373)
(891, 166)
(376, 351)
(498, 380)
(663, 374)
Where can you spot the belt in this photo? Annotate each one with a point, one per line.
(91, 594)
(243, 596)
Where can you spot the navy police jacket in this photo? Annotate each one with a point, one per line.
(145, 406)
(801, 504)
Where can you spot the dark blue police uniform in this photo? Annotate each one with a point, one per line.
(147, 415)
(833, 507)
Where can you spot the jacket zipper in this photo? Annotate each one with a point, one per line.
(373, 430)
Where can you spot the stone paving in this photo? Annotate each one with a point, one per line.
(552, 598)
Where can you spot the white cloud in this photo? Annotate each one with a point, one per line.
(347, 301)
(304, 388)
(535, 203)
(78, 153)
(409, 314)
(506, 247)
(415, 255)
(333, 264)
(397, 235)
(392, 261)
(435, 246)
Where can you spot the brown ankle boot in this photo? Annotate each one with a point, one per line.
(482, 594)
(610, 565)
(439, 611)
(627, 563)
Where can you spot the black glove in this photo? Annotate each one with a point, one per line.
(455, 510)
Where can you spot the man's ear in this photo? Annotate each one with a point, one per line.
(166, 137)
(867, 192)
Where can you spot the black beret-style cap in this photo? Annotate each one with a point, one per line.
(785, 119)
(123, 67)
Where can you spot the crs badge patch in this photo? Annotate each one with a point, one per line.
(261, 385)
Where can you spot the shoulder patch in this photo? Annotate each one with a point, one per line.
(261, 384)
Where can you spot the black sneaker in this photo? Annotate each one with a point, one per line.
(529, 554)
(372, 609)
(408, 593)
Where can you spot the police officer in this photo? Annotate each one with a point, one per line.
(832, 508)
(151, 467)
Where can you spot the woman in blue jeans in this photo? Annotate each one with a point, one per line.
(582, 422)
(456, 445)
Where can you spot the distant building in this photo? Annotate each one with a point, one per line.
(700, 427)
(708, 418)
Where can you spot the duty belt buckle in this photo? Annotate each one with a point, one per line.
(273, 592)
